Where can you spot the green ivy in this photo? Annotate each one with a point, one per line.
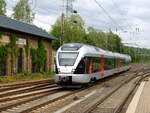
(33, 53)
(3, 53)
(13, 40)
(39, 56)
(9, 48)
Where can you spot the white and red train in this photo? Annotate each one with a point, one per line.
(78, 63)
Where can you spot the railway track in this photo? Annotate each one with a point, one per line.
(10, 86)
(29, 104)
(30, 101)
(70, 111)
(26, 97)
(104, 92)
(17, 93)
(99, 105)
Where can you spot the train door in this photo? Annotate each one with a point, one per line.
(20, 60)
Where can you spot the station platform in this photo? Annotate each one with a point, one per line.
(141, 100)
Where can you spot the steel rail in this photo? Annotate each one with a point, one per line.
(120, 106)
(100, 101)
(9, 106)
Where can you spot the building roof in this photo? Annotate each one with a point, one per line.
(11, 24)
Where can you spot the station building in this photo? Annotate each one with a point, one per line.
(19, 43)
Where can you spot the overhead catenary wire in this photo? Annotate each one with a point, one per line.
(114, 22)
(133, 31)
(108, 15)
(120, 12)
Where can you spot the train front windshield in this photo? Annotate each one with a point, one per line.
(67, 58)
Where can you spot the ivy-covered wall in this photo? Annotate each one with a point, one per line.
(9, 49)
(38, 57)
(35, 56)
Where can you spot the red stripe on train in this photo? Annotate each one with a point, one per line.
(118, 64)
(91, 66)
(102, 66)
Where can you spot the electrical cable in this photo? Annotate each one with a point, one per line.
(108, 15)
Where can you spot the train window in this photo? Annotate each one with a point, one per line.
(117, 62)
(96, 64)
(120, 62)
(67, 58)
(109, 63)
(81, 68)
(71, 47)
(84, 65)
(87, 66)
(123, 62)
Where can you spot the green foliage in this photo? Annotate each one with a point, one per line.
(3, 53)
(13, 40)
(96, 38)
(12, 46)
(114, 43)
(73, 32)
(33, 53)
(25, 76)
(9, 48)
(2, 7)
(39, 56)
(24, 73)
(23, 12)
(76, 32)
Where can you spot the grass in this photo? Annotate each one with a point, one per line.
(24, 76)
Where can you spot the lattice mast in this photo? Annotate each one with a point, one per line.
(69, 7)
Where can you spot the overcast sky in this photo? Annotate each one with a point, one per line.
(127, 15)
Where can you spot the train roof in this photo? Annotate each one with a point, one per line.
(92, 50)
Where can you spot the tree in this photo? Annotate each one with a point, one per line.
(56, 32)
(2, 7)
(96, 38)
(114, 43)
(74, 30)
(23, 12)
